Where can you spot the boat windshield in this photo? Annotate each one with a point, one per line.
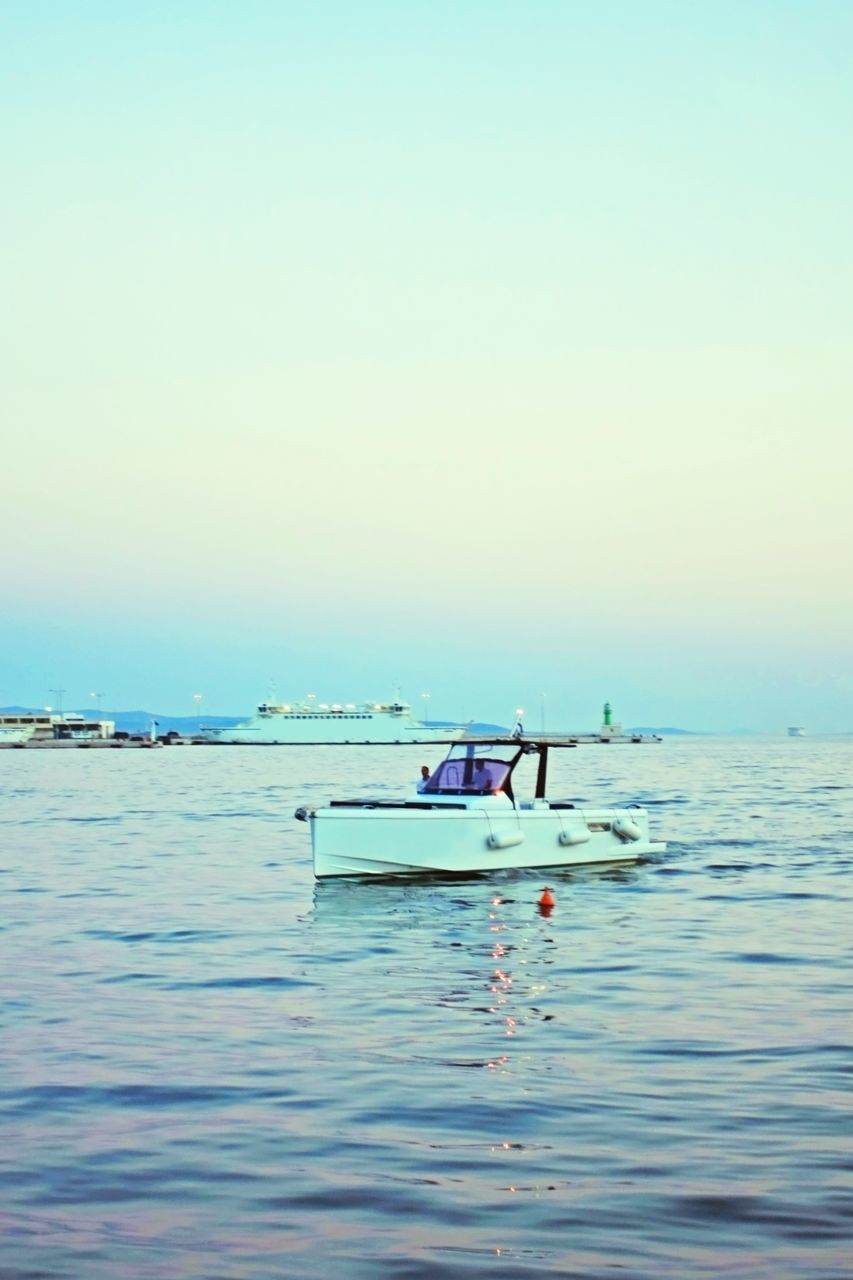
(480, 769)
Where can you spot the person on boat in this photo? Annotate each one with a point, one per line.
(482, 780)
(518, 731)
(424, 778)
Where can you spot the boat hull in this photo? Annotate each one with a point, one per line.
(407, 840)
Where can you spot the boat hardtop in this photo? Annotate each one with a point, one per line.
(478, 771)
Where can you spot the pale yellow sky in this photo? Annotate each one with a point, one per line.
(339, 343)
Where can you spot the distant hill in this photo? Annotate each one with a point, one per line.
(140, 722)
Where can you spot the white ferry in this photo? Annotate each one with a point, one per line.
(468, 818)
(326, 724)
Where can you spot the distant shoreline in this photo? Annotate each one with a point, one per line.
(140, 722)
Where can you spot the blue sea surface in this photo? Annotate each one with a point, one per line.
(213, 1067)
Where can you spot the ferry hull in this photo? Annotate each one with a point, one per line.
(325, 735)
(377, 724)
(407, 841)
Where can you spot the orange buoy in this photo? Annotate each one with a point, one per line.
(546, 902)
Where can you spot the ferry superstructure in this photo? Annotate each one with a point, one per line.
(326, 724)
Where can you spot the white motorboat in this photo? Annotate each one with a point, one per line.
(467, 817)
(319, 724)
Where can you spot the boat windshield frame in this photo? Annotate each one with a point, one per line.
(500, 756)
(476, 768)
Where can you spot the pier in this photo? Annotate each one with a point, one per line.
(80, 744)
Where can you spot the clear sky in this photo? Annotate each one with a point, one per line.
(489, 350)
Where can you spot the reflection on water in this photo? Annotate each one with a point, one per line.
(214, 1066)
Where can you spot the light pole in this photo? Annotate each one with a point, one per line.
(425, 697)
(542, 725)
(197, 697)
(59, 692)
(97, 697)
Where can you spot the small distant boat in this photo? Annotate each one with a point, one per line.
(467, 818)
(796, 731)
(323, 724)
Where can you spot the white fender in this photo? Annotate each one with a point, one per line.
(504, 839)
(578, 835)
(627, 829)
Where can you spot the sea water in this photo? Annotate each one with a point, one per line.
(212, 1066)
